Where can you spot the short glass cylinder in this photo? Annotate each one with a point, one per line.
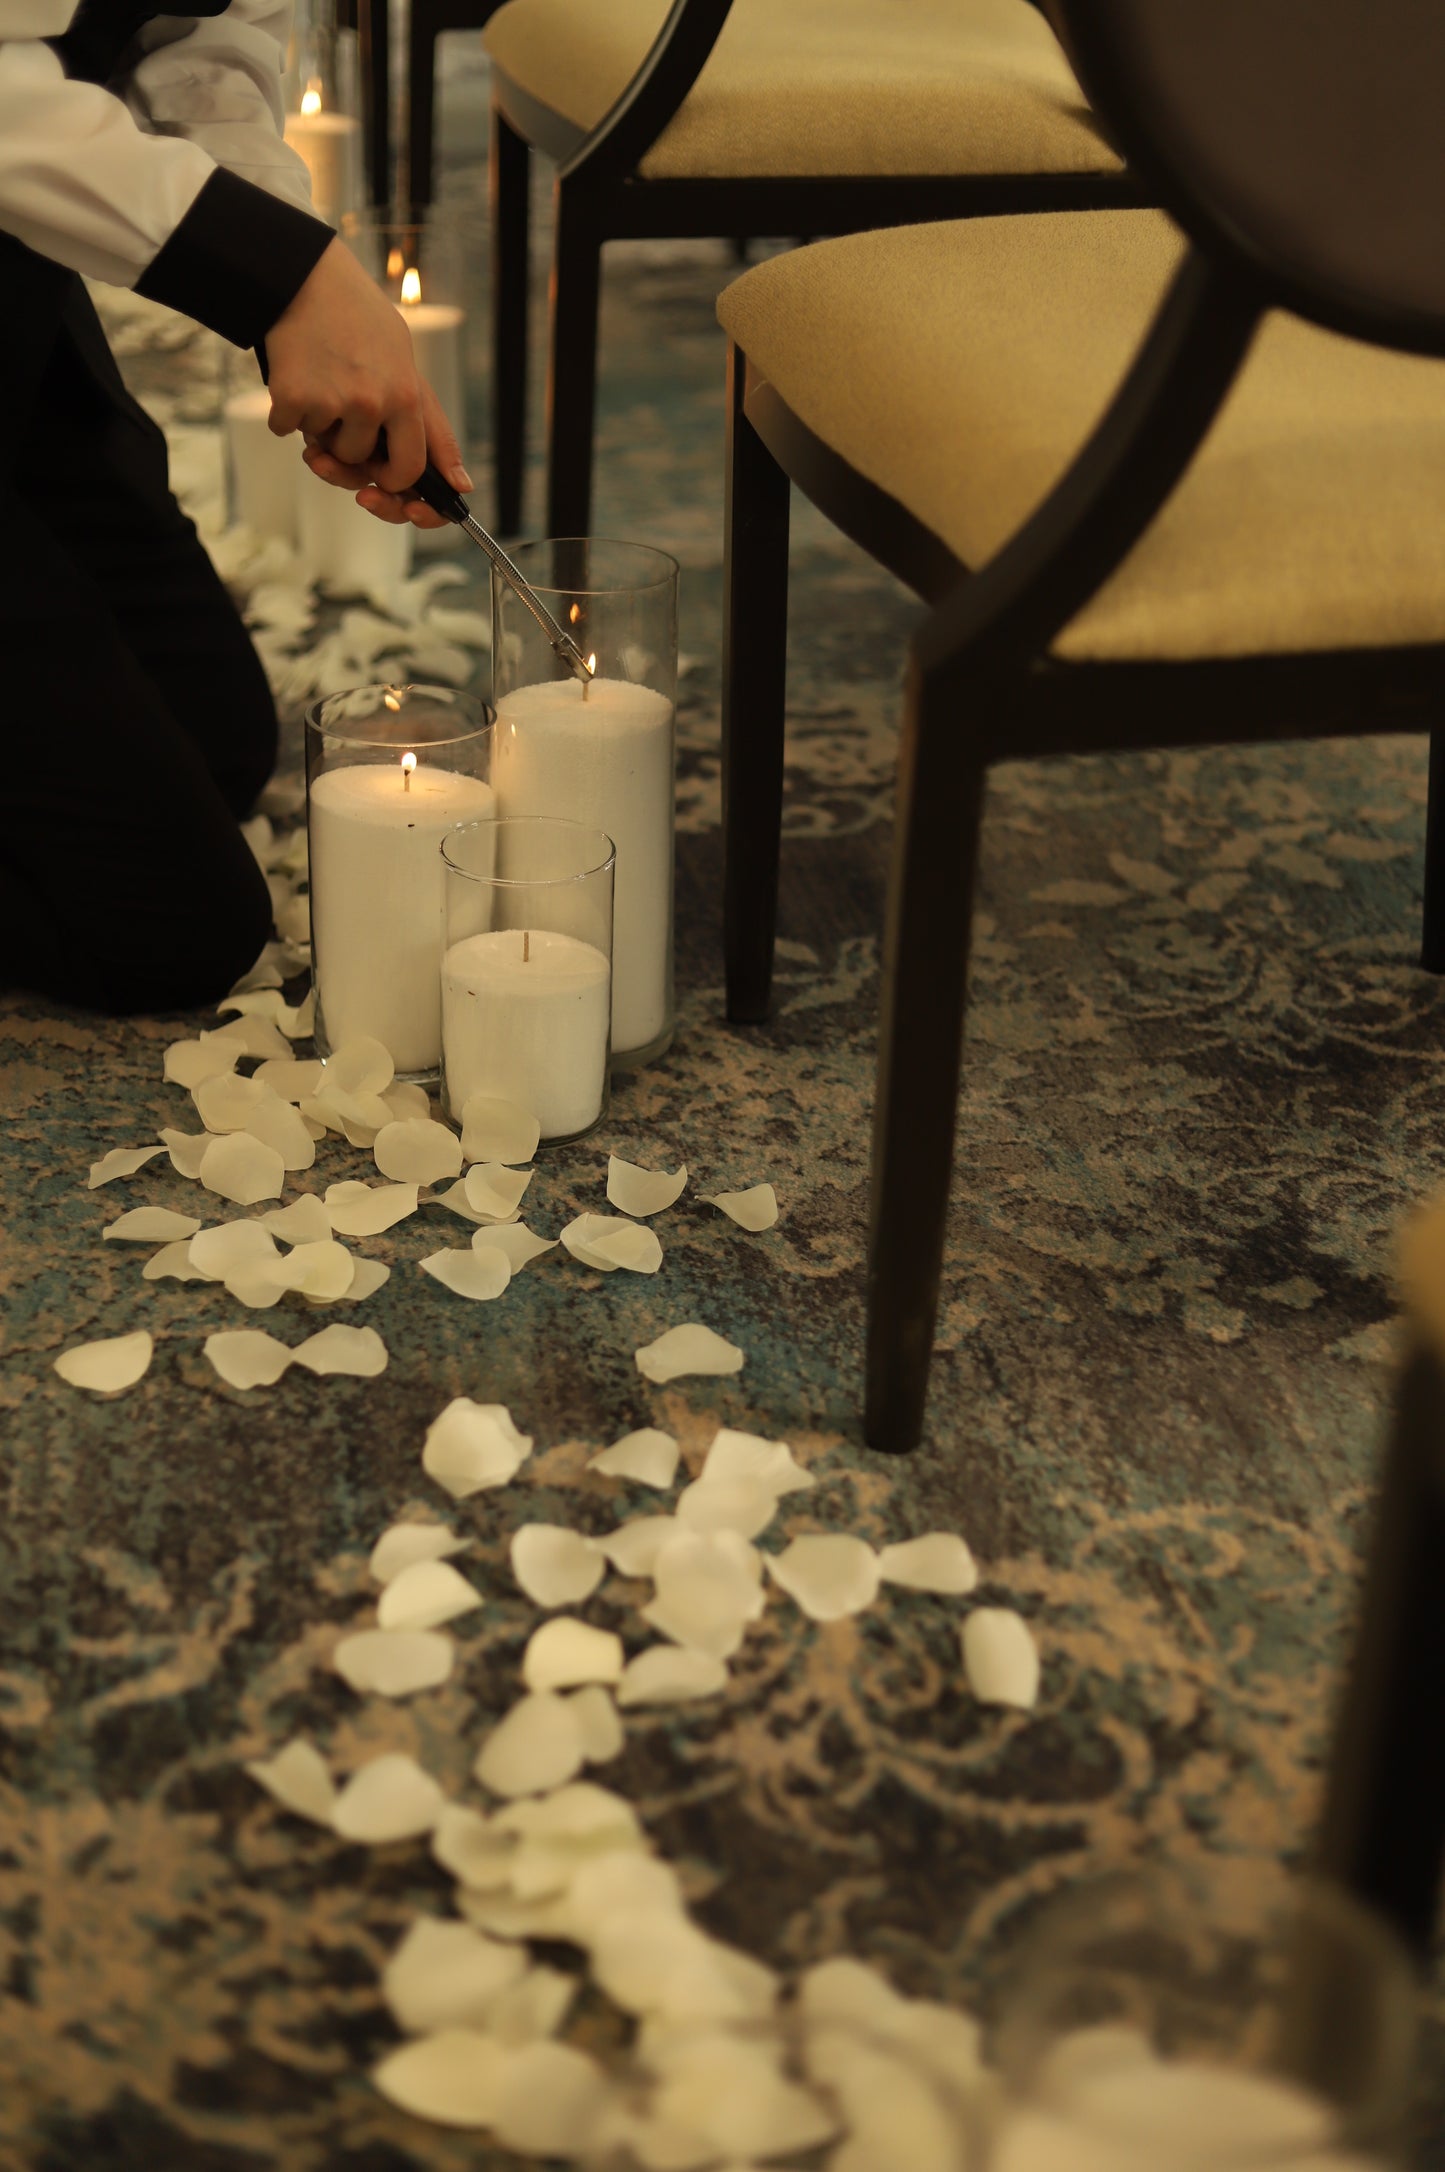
(389, 771)
(1147, 2021)
(527, 970)
(421, 269)
(602, 753)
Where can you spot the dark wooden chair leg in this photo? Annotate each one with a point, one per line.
(421, 63)
(754, 674)
(572, 362)
(373, 26)
(1432, 943)
(1382, 1835)
(920, 1046)
(510, 194)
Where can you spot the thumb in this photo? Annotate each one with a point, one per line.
(443, 450)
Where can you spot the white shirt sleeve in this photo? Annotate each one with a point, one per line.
(98, 179)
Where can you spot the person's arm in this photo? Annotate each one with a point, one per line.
(215, 81)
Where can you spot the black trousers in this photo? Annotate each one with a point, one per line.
(137, 723)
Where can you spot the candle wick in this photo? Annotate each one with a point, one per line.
(526, 946)
(406, 780)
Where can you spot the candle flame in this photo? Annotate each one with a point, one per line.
(411, 285)
(408, 764)
(311, 98)
(395, 262)
(575, 613)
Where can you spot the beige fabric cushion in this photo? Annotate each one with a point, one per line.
(959, 366)
(822, 86)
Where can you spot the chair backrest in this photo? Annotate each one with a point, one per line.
(1303, 136)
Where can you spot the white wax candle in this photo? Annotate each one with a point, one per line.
(377, 900)
(436, 338)
(606, 760)
(524, 1017)
(263, 468)
(346, 548)
(330, 145)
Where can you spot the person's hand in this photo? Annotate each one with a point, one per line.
(341, 370)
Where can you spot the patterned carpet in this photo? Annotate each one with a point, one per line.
(1203, 1087)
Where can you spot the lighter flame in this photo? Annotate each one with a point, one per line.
(311, 98)
(411, 286)
(592, 666)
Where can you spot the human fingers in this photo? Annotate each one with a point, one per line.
(443, 450)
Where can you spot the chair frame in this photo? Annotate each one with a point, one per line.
(600, 196)
(982, 653)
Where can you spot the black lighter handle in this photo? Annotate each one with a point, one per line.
(431, 486)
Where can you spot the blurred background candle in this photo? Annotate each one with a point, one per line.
(601, 753)
(436, 338)
(345, 548)
(262, 470)
(389, 771)
(330, 144)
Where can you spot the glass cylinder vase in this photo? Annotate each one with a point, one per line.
(527, 969)
(389, 771)
(422, 270)
(600, 753)
(323, 128)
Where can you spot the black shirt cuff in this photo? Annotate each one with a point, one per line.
(237, 259)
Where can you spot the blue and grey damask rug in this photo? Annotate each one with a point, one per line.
(1203, 1086)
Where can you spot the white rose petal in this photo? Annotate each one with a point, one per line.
(598, 1724)
(556, 1566)
(473, 1848)
(418, 1151)
(187, 1150)
(447, 1975)
(537, 1746)
(514, 1241)
(755, 1209)
(638, 1191)
(494, 1191)
(323, 1270)
(939, 1561)
(828, 1574)
(734, 1455)
(367, 1277)
(474, 1445)
(173, 1262)
(404, 1543)
(551, 2099)
(633, 1547)
(536, 2005)
(394, 1662)
(647, 1457)
(292, 1078)
(390, 1798)
(604, 1242)
(1001, 1657)
(670, 1674)
(497, 1130)
(565, 1652)
(226, 1102)
(121, 1161)
(242, 1169)
(277, 1124)
(150, 1225)
(690, 1348)
(405, 1099)
(107, 1366)
(425, 1594)
(305, 1221)
(356, 1350)
(361, 1066)
(365, 1210)
(745, 1505)
(734, 2093)
(190, 1063)
(453, 2078)
(226, 1246)
(297, 1778)
(480, 1275)
(246, 1357)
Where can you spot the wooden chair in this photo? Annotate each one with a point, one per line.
(370, 19)
(730, 118)
(1382, 1835)
(1007, 413)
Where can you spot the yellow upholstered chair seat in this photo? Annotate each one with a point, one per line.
(822, 87)
(959, 366)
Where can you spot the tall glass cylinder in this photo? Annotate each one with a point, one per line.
(602, 753)
(422, 269)
(389, 771)
(526, 974)
(322, 128)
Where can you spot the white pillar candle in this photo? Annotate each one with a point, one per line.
(603, 755)
(524, 1017)
(377, 903)
(345, 547)
(330, 146)
(263, 468)
(436, 338)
